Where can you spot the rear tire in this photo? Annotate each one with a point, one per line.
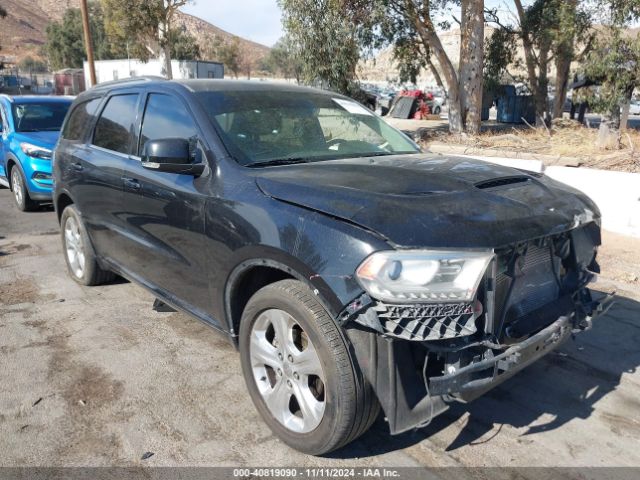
(79, 256)
(20, 193)
(325, 401)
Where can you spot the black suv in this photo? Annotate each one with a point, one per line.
(351, 270)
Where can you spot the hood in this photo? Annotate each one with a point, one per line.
(432, 201)
(39, 139)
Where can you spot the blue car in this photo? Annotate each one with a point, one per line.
(30, 129)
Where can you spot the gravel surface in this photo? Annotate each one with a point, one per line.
(93, 377)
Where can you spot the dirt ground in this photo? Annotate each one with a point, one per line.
(94, 377)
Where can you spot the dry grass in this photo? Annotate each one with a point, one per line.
(565, 138)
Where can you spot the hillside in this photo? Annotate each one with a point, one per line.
(23, 31)
(384, 68)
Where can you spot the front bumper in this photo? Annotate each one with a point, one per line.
(473, 380)
(38, 175)
(387, 363)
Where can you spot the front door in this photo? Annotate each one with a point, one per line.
(164, 212)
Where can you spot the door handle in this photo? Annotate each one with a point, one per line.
(77, 166)
(131, 183)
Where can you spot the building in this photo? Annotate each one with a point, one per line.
(107, 70)
(69, 81)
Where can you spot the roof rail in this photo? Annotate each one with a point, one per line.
(144, 78)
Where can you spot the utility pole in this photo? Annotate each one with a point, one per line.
(87, 41)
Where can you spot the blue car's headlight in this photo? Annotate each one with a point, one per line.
(423, 275)
(35, 152)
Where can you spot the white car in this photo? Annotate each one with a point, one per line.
(634, 108)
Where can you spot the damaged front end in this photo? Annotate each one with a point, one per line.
(429, 349)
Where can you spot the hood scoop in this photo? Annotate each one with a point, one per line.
(501, 182)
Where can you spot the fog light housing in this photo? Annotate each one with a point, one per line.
(41, 176)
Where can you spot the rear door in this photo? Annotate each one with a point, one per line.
(100, 166)
(164, 212)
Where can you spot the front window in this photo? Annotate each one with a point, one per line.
(39, 117)
(266, 127)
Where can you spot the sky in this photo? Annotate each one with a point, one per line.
(257, 20)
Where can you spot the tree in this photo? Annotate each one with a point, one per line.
(65, 41)
(183, 45)
(411, 26)
(332, 35)
(327, 41)
(142, 24)
(3, 13)
(548, 31)
(30, 64)
(614, 64)
(284, 59)
(226, 52)
(246, 64)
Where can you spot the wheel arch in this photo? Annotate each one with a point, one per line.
(62, 201)
(11, 162)
(252, 274)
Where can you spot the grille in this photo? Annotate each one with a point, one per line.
(427, 322)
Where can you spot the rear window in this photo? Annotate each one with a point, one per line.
(113, 130)
(39, 117)
(79, 119)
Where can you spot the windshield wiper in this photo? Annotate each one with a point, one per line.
(280, 161)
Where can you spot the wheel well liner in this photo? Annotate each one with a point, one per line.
(62, 202)
(250, 276)
(244, 283)
(11, 162)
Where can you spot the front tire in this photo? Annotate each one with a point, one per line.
(299, 372)
(82, 264)
(20, 193)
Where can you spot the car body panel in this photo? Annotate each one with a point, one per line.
(413, 200)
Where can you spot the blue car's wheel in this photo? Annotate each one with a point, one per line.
(20, 192)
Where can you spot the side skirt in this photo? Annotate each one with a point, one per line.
(169, 300)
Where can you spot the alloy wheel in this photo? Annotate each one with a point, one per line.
(16, 183)
(287, 371)
(74, 247)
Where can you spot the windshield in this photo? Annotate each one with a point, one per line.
(39, 117)
(267, 127)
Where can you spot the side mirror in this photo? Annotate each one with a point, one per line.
(171, 155)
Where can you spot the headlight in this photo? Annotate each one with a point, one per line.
(423, 275)
(35, 151)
